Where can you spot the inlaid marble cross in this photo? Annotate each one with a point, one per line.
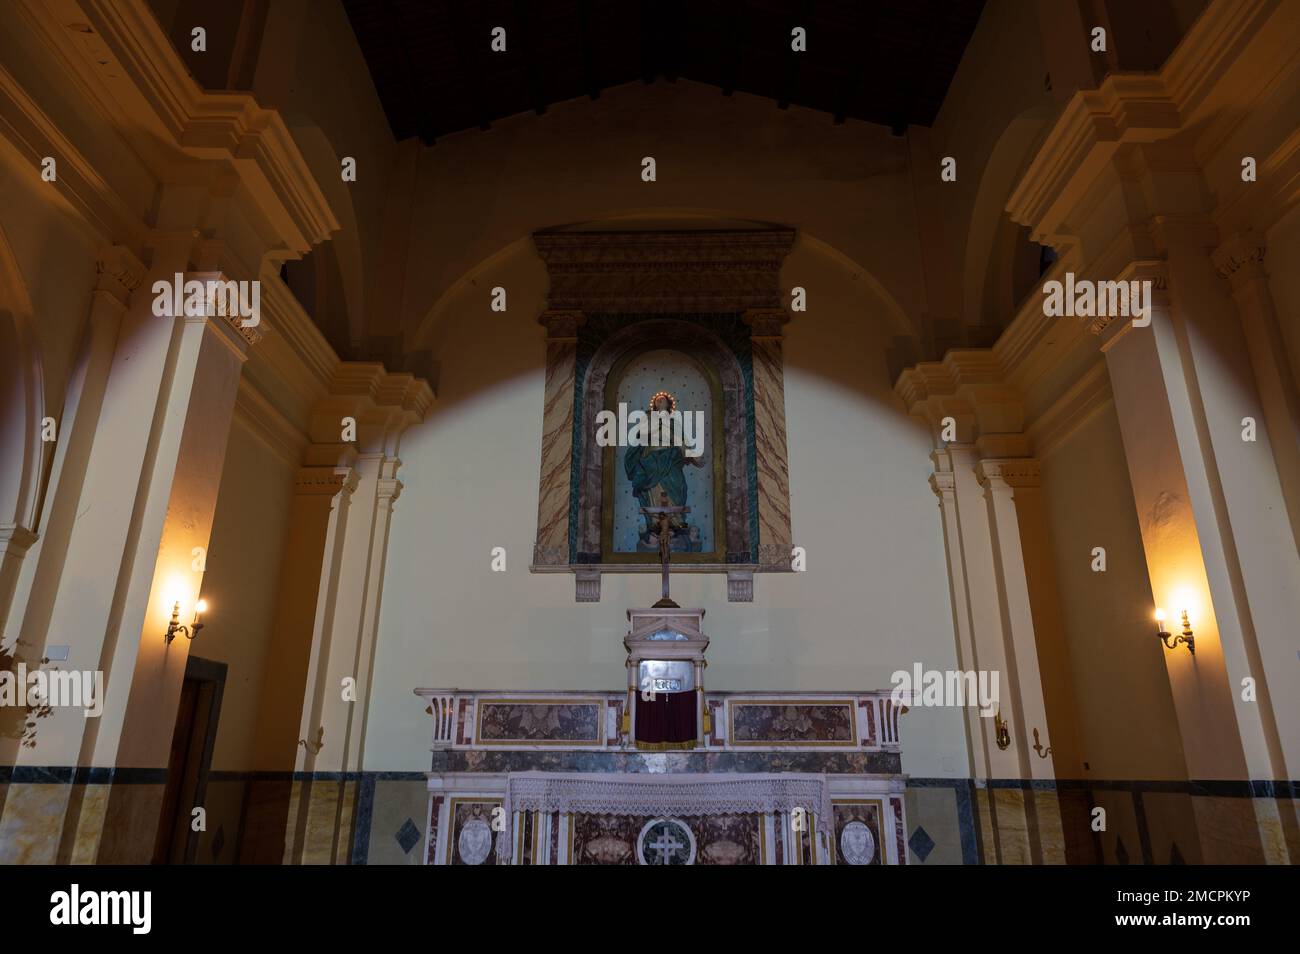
(666, 846)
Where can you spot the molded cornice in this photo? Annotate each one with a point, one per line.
(1148, 107)
(91, 197)
(726, 270)
(1127, 108)
(117, 57)
(969, 387)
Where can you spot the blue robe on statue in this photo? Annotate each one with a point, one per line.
(656, 471)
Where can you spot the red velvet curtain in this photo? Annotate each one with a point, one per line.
(667, 721)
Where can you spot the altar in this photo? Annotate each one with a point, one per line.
(557, 779)
(664, 772)
(666, 819)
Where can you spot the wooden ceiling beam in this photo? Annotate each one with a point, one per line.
(525, 13)
(587, 39)
(647, 37)
(465, 67)
(734, 27)
(411, 79)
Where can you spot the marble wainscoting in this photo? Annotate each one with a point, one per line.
(1012, 821)
(69, 815)
(948, 821)
(89, 816)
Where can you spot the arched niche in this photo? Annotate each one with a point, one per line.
(710, 295)
(997, 255)
(729, 440)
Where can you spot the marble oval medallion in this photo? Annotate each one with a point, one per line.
(475, 841)
(856, 843)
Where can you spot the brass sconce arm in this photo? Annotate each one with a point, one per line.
(1171, 641)
(175, 625)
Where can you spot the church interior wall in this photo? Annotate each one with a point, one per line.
(310, 68)
(247, 542)
(989, 122)
(59, 298)
(303, 61)
(1107, 615)
(426, 233)
(858, 477)
(1284, 283)
(729, 157)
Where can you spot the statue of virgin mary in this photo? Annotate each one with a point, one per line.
(658, 474)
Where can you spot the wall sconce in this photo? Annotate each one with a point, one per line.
(1002, 735)
(1171, 641)
(191, 630)
(1043, 752)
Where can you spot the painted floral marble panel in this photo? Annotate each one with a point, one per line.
(539, 722)
(720, 839)
(792, 724)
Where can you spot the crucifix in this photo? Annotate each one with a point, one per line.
(664, 516)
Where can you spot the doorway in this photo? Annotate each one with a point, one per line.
(189, 761)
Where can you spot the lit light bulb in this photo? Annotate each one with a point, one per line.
(1160, 616)
(201, 606)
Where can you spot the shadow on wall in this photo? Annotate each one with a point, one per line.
(21, 402)
(838, 291)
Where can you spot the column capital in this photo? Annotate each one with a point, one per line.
(223, 296)
(324, 481)
(965, 396)
(383, 405)
(1241, 258)
(388, 489)
(1008, 473)
(944, 485)
(120, 272)
(1155, 271)
(561, 325)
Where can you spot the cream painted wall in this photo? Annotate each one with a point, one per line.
(874, 599)
(990, 121)
(311, 70)
(1284, 282)
(39, 233)
(737, 156)
(240, 583)
(1127, 724)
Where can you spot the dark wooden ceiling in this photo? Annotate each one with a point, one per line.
(883, 61)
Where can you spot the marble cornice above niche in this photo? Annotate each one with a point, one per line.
(664, 272)
(626, 310)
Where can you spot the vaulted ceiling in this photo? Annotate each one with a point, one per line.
(883, 61)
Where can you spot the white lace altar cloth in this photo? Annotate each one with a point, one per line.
(662, 795)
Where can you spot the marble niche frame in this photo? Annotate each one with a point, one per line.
(689, 284)
(729, 455)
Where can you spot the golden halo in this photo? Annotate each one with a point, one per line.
(662, 394)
